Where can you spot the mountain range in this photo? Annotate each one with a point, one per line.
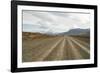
(77, 32)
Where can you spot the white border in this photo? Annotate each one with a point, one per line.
(52, 63)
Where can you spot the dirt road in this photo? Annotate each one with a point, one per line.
(56, 48)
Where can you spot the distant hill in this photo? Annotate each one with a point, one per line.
(31, 35)
(76, 32)
(86, 33)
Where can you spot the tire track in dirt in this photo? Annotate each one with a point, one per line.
(76, 53)
(82, 46)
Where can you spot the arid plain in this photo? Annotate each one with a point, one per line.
(41, 47)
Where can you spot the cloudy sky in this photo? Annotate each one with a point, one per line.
(54, 22)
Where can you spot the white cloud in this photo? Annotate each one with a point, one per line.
(54, 22)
